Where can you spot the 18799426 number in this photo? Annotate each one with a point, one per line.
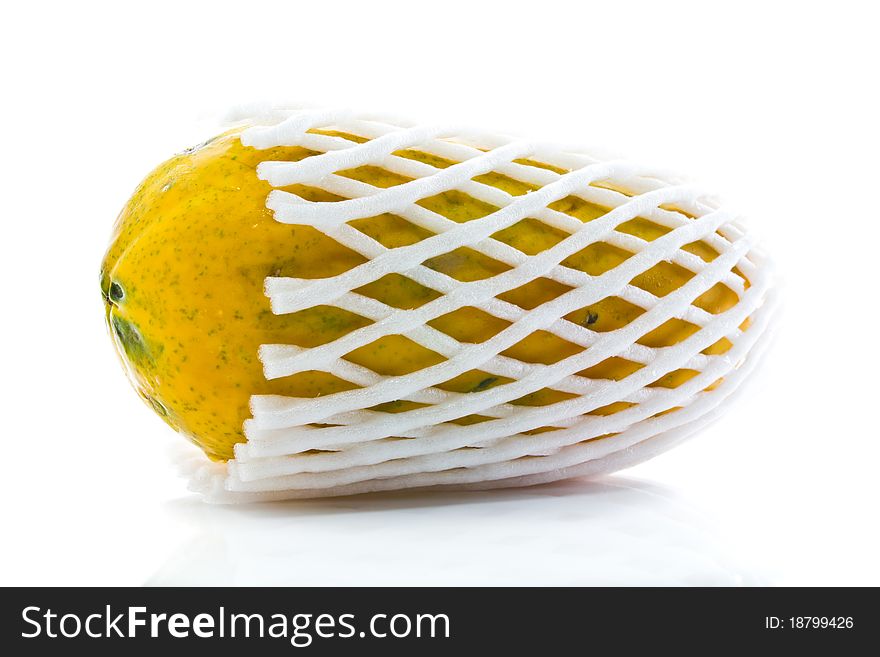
(809, 622)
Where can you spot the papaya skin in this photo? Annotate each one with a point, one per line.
(182, 283)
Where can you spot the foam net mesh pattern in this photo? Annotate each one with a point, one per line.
(590, 422)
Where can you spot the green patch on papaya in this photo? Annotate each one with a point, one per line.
(156, 405)
(484, 384)
(138, 351)
(105, 285)
(162, 410)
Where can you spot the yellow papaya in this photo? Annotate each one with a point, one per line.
(183, 288)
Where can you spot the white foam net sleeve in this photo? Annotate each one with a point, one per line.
(336, 445)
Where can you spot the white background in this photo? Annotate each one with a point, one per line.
(773, 104)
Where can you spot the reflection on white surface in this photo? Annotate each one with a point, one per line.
(615, 531)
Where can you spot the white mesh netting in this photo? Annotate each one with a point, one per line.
(335, 444)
